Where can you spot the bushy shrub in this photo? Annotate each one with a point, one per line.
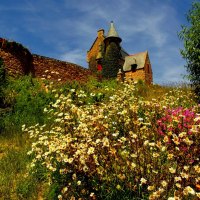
(26, 98)
(115, 150)
(2, 82)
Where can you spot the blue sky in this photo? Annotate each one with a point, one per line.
(66, 29)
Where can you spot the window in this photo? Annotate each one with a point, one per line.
(133, 67)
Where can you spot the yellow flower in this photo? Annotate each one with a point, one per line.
(143, 181)
(188, 141)
(197, 169)
(182, 134)
(166, 139)
(151, 187)
(105, 142)
(178, 185)
(65, 189)
(170, 156)
(155, 155)
(172, 170)
(176, 139)
(184, 175)
(118, 187)
(164, 183)
(177, 178)
(188, 190)
(78, 182)
(133, 165)
(90, 151)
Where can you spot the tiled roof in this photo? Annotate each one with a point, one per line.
(138, 59)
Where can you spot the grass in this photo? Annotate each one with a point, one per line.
(15, 180)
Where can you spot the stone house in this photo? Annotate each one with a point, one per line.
(136, 66)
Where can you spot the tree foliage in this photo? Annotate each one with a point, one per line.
(93, 64)
(2, 81)
(111, 61)
(191, 53)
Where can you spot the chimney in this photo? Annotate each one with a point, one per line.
(100, 33)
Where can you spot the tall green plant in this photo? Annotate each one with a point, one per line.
(191, 53)
(27, 100)
(111, 61)
(93, 65)
(2, 81)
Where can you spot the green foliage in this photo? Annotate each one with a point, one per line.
(27, 100)
(16, 180)
(111, 61)
(93, 65)
(26, 188)
(2, 82)
(13, 163)
(191, 52)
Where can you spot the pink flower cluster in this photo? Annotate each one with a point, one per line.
(176, 121)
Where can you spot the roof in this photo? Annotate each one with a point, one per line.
(138, 59)
(123, 53)
(112, 31)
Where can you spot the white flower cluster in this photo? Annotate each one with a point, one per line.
(116, 142)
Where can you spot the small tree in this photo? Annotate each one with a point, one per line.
(191, 36)
(111, 61)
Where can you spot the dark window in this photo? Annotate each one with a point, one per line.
(133, 67)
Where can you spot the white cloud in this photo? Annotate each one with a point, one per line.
(74, 56)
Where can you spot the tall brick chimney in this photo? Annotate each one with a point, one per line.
(100, 33)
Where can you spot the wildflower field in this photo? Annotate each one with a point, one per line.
(114, 140)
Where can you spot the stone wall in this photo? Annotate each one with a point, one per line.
(136, 75)
(56, 69)
(19, 61)
(92, 53)
(139, 74)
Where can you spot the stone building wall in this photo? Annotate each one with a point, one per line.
(148, 71)
(92, 53)
(135, 75)
(19, 61)
(56, 69)
(139, 74)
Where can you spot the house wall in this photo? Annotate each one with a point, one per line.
(144, 73)
(148, 71)
(92, 53)
(139, 74)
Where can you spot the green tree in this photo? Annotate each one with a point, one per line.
(93, 64)
(191, 53)
(111, 61)
(2, 81)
